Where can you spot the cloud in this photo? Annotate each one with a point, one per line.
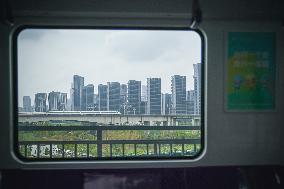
(140, 46)
(48, 59)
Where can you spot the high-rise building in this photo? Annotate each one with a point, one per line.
(96, 102)
(134, 96)
(63, 102)
(166, 103)
(27, 104)
(57, 101)
(87, 98)
(53, 101)
(69, 104)
(143, 107)
(178, 94)
(21, 109)
(123, 98)
(154, 96)
(102, 97)
(144, 93)
(78, 84)
(40, 102)
(190, 102)
(72, 97)
(113, 96)
(197, 88)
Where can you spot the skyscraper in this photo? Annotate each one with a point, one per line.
(69, 104)
(63, 102)
(102, 97)
(96, 102)
(197, 88)
(134, 96)
(123, 98)
(153, 95)
(72, 97)
(166, 103)
(40, 102)
(178, 94)
(143, 105)
(57, 101)
(78, 84)
(53, 101)
(144, 93)
(113, 96)
(87, 99)
(190, 102)
(27, 105)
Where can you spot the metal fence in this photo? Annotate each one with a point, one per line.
(155, 144)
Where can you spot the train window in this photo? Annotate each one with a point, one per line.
(112, 94)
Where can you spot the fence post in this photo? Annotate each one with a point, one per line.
(50, 150)
(75, 150)
(38, 149)
(26, 151)
(99, 142)
(155, 149)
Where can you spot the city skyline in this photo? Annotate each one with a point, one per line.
(102, 56)
(124, 98)
(96, 88)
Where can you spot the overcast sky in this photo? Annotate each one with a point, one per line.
(48, 58)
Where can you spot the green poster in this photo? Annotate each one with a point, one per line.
(250, 71)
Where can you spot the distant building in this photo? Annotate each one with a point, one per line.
(87, 98)
(134, 96)
(96, 102)
(27, 104)
(144, 93)
(69, 104)
(57, 101)
(21, 109)
(166, 104)
(190, 102)
(113, 96)
(197, 88)
(63, 102)
(40, 102)
(53, 101)
(143, 104)
(72, 97)
(154, 96)
(143, 107)
(78, 84)
(123, 98)
(102, 97)
(178, 87)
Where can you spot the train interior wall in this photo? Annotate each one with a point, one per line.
(241, 147)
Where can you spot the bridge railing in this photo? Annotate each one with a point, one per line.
(152, 147)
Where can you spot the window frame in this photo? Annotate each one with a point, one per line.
(15, 146)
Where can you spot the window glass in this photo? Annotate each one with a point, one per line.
(109, 94)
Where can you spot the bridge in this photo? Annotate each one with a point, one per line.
(111, 119)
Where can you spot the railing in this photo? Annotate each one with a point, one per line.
(99, 142)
